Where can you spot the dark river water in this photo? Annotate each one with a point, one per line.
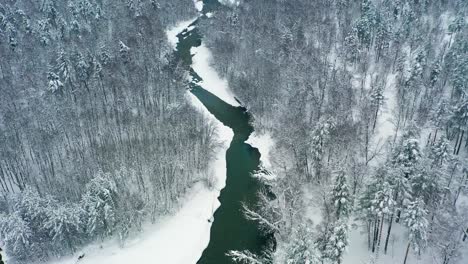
(230, 229)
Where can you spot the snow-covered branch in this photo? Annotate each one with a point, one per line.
(244, 256)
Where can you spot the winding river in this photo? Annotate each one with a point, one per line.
(230, 229)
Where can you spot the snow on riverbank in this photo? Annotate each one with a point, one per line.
(173, 32)
(230, 2)
(198, 5)
(264, 142)
(211, 82)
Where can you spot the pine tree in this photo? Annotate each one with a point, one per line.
(320, 137)
(456, 66)
(414, 218)
(337, 242)
(301, 249)
(436, 69)
(54, 82)
(17, 236)
(439, 152)
(383, 205)
(377, 100)
(341, 196)
(124, 51)
(351, 45)
(459, 119)
(99, 202)
(64, 224)
(407, 155)
(426, 184)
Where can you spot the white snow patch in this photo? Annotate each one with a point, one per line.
(385, 123)
(211, 80)
(209, 15)
(264, 142)
(198, 5)
(172, 33)
(230, 2)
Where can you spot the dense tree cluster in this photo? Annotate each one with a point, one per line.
(375, 89)
(96, 134)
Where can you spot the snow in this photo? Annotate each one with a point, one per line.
(211, 82)
(230, 2)
(385, 124)
(198, 5)
(174, 31)
(264, 142)
(209, 15)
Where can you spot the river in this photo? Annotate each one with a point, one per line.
(230, 229)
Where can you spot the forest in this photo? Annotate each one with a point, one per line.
(96, 135)
(366, 102)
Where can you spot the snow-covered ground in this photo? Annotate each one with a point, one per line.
(174, 31)
(211, 82)
(198, 5)
(230, 2)
(385, 128)
(264, 142)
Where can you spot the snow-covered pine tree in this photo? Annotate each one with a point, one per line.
(64, 223)
(439, 152)
(401, 187)
(16, 234)
(459, 120)
(383, 205)
(456, 66)
(319, 138)
(124, 51)
(377, 100)
(99, 202)
(337, 242)
(351, 46)
(54, 82)
(301, 249)
(414, 218)
(341, 196)
(427, 184)
(407, 154)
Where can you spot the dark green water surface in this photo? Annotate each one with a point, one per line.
(230, 229)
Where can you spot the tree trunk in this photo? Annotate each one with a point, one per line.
(369, 224)
(407, 251)
(460, 141)
(389, 230)
(456, 143)
(375, 119)
(381, 227)
(376, 234)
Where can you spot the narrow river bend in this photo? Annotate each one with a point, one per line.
(230, 229)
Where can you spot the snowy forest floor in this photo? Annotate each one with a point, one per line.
(358, 252)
